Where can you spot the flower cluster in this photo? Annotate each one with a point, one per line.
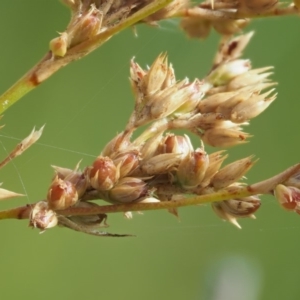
(160, 168)
(159, 165)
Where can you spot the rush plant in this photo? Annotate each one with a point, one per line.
(160, 169)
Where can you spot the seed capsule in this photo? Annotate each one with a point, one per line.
(128, 190)
(127, 162)
(224, 137)
(232, 209)
(192, 168)
(42, 217)
(61, 194)
(287, 196)
(232, 172)
(176, 144)
(103, 174)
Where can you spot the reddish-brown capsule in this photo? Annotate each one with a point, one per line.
(61, 194)
(176, 144)
(192, 169)
(244, 207)
(127, 162)
(103, 174)
(288, 197)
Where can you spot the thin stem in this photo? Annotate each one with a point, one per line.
(24, 211)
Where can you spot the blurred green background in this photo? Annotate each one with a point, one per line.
(84, 106)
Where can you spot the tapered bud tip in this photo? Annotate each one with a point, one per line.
(61, 194)
(221, 213)
(5, 194)
(103, 174)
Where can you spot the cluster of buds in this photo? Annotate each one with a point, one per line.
(162, 166)
(159, 167)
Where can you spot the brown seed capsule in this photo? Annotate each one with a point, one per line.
(87, 26)
(232, 172)
(221, 213)
(42, 217)
(61, 194)
(150, 147)
(175, 144)
(224, 137)
(251, 107)
(103, 174)
(244, 207)
(211, 103)
(287, 196)
(156, 75)
(192, 168)
(230, 210)
(161, 164)
(127, 190)
(215, 161)
(127, 162)
(74, 176)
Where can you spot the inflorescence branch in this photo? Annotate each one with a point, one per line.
(160, 169)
